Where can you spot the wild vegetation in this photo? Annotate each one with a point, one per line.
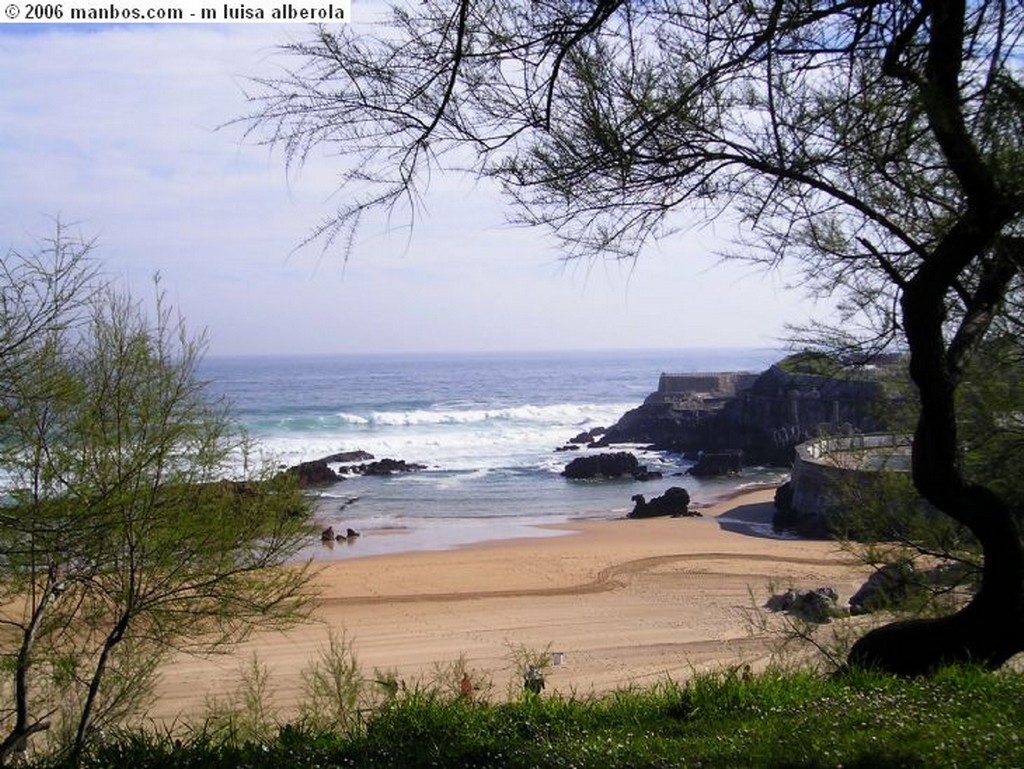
(122, 545)
(878, 144)
(963, 717)
(121, 542)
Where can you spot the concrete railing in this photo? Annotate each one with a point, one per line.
(826, 449)
(825, 469)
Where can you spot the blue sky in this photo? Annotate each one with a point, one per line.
(120, 129)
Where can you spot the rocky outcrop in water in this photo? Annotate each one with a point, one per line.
(764, 416)
(613, 465)
(317, 472)
(314, 473)
(715, 464)
(388, 467)
(350, 456)
(588, 436)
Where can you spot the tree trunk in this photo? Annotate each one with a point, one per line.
(85, 720)
(24, 727)
(987, 632)
(990, 629)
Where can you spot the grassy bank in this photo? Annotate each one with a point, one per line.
(962, 718)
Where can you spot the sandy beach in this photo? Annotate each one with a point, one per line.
(626, 602)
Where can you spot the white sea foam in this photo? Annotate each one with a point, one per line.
(562, 414)
(450, 439)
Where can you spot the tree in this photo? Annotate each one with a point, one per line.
(41, 294)
(121, 543)
(875, 143)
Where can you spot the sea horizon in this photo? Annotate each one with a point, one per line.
(724, 351)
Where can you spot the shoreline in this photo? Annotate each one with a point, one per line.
(443, 534)
(625, 602)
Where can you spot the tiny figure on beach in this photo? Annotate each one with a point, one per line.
(533, 679)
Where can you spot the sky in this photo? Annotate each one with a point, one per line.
(127, 133)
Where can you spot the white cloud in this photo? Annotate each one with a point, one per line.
(118, 128)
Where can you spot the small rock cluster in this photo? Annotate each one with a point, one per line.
(318, 472)
(587, 438)
(818, 606)
(893, 586)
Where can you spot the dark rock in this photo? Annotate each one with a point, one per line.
(588, 437)
(350, 533)
(901, 586)
(349, 456)
(314, 473)
(643, 474)
(818, 606)
(781, 601)
(788, 519)
(657, 424)
(718, 463)
(327, 535)
(388, 467)
(570, 447)
(614, 465)
(784, 498)
(675, 502)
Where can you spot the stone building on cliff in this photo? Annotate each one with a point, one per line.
(708, 391)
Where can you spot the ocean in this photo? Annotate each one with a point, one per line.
(485, 425)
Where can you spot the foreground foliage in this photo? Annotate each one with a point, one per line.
(962, 717)
(120, 544)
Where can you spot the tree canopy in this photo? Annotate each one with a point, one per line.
(877, 144)
(121, 542)
(847, 134)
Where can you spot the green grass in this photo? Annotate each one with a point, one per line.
(961, 718)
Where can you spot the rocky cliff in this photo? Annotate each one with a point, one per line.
(766, 416)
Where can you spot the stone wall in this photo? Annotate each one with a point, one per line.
(713, 384)
(824, 467)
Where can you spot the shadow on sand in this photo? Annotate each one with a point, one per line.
(753, 520)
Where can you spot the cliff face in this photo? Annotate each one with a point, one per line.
(765, 418)
(782, 410)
